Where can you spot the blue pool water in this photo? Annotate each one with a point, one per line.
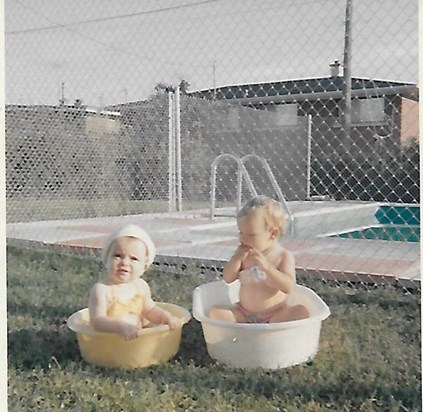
(396, 223)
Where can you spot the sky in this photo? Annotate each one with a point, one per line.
(113, 51)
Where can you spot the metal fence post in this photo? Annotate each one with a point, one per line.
(178, 148)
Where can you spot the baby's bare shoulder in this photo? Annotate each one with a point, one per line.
(285, 252)
(285, 258)
(281, 252)
(143, 285)
(99, 289)
(141, 282)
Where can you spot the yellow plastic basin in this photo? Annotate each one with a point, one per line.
(154, 345)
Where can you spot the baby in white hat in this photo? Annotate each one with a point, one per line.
(123, 303)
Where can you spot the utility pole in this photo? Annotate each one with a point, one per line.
(346, 90)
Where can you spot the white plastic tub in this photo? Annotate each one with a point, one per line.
(269, 346)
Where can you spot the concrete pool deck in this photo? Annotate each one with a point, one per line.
(192, 238)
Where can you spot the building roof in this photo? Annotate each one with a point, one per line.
(312, 88)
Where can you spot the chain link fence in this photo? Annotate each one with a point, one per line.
(171, 114)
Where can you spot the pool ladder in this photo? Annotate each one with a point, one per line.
(242, 172)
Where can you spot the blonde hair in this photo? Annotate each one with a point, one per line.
(273, 213)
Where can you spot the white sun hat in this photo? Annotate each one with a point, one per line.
(134, 231)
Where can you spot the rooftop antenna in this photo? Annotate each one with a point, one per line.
(62, 100)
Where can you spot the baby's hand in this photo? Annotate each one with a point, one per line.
(129, 331)
(259, 260)
(173, 322)
(242, 252)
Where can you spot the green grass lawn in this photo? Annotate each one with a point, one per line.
(369, 357)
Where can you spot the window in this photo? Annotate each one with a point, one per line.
(368, 111)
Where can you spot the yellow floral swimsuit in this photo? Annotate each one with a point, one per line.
(117, 309)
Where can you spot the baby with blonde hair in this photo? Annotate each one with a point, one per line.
(123, 304)
(265, 269)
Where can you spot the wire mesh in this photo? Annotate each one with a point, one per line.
(118, 111)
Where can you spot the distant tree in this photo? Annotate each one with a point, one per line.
(184, 86)
(162, 87)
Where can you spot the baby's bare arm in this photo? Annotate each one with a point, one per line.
(233, 267)
(158, 315)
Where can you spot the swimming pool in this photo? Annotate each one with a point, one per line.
(394, 223)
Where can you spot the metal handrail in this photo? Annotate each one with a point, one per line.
(242, 172)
